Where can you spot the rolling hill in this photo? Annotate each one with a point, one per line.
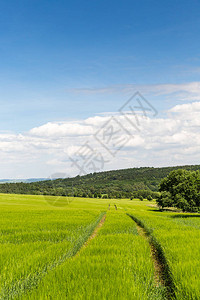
(124, 183)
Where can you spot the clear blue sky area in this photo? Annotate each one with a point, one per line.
(49, 47)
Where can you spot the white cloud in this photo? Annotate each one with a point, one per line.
(44, 150)
(61, 129)
(189, 107)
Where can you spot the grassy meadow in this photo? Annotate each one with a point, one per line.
(45, 252)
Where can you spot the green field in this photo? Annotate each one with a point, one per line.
(63, 248)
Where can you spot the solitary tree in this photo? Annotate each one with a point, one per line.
(180, 189)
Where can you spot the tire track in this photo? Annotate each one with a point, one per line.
(162, 272)
(17, 288)
(93, 235)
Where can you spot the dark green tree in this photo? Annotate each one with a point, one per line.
(183, 190)
(164, 200)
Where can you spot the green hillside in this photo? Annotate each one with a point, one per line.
(123, 183)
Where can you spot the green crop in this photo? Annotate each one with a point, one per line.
(114, 265)
(178, 236)
(47, 253)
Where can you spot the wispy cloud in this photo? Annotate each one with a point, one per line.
(186, 91)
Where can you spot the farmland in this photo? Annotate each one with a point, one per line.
(82, 248)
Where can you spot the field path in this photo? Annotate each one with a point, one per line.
(158, 265)
(17, 288)
(162, 272)
(93, 235)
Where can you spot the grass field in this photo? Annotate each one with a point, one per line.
(54, 248)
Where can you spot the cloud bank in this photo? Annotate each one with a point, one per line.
(44, 150)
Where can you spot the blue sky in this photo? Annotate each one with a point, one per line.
(62, 61)
(48, 47)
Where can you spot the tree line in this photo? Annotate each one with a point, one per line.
(126, 183)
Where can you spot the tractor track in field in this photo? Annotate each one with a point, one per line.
(93, 235)
(18, 288)
(158, 266)
(162, 273)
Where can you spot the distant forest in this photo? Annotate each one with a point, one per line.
(127, 183)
